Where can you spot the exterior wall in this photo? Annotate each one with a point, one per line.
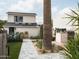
(58, 38)
(61, 37)
(64, 37)
(26, 19)
(31, 31)
(10, 18)
(3, 43)
(29, 19)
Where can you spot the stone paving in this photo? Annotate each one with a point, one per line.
(28, 51)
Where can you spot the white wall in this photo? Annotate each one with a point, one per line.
(61, 38)
(31, 31)
(10, 18)
(29, 19)
(26, 19)
(58, 38)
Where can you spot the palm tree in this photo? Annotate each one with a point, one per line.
(74, 18)
(72, 47)
(47, 27)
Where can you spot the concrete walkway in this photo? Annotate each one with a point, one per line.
(28, 51)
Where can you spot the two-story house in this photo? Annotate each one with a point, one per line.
(22, 22)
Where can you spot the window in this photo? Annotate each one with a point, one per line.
(18, 19)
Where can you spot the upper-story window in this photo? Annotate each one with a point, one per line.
(18, 19)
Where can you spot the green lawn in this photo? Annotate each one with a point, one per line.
(14, 49)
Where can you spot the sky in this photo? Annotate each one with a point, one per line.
(58, 7)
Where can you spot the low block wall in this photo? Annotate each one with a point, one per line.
(3, 47)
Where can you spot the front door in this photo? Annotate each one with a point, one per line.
(11, 30)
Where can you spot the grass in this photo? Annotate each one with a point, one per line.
(14, 49)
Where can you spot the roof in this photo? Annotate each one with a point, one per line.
(9, 24)
(21, 13)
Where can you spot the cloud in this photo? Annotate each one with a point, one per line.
(40, 1)
(39, 20)
(25, 6)
(4, 17)
(2, 3)
(59, 20)
(54, 8)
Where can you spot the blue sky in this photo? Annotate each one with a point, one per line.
(59, 7)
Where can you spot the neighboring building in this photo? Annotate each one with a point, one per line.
(22, 22)
(61, 36)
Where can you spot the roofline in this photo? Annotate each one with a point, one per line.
(21, 13)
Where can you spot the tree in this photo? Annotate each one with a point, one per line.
(72, 47)
(2, 23)
(74, 18)
(47, 26)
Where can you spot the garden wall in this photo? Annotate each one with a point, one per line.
(3, 45)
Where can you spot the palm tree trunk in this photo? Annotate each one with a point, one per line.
(47, 27)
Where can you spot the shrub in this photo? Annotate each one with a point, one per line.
(14, 37)
(39, 44)
(72, 48)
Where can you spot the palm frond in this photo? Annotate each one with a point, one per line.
(76, 29)
(70, 15)
(75, 12)
(74, 22)
(68, 54)
(70, 21)
(67, 17)
(76, 25)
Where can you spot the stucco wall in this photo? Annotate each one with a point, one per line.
(29, 19)
(61, 37)
(31, 31)
(26, 19)
(3, 43)
(10, 18)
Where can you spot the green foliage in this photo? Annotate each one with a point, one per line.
(2, 23)
(14, 37)
(74, 18)
(39, 44)
(72, 48)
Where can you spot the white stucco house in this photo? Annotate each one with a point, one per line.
(22, 22)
